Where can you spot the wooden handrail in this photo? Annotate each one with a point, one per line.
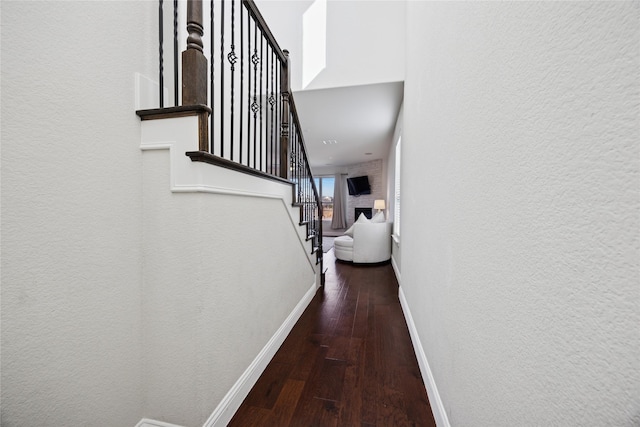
(255, 13)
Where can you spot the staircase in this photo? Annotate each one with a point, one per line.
(234, 78)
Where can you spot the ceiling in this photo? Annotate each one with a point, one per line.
(360, 119)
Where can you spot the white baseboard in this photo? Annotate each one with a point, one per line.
(437, 406)
(145, 422)
(236, 395)
(396, 270)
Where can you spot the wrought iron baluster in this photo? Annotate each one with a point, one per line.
(175, 53)
(271, 103)
(267, 164)
(294, 166)
(295, 161)
(254, 106)
(212, 77)
(299, 170)
(277, 121)
(241, 109)
(260, 101)
(277, 117)
(222, 78)
(310, 210)
(161, 59)
(249, 91)
(232, 60)
(307, 195)
(304, 192)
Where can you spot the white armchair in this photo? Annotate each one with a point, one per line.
(371, 243)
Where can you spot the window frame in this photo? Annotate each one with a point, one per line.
(397, 190)
(318, 181)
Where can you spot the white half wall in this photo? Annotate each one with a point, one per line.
(521, 208)
(225, 266)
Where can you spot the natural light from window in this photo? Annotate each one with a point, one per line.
(314, 41)
(396, 209)
(325, 186)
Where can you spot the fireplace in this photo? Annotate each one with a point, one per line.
(366, 211)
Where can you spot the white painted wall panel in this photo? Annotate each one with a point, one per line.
(71, 199)
(520, 244)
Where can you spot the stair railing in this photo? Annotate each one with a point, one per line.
(236, 79)
(306, 192)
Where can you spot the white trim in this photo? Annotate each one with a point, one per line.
(437, 406)
(179, 135)
(396, 270)
(146, 92)
(145, 422)
(236, 395)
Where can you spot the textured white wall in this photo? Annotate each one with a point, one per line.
(71, 198)
(521, 208)
(222, 273)
(364, 40)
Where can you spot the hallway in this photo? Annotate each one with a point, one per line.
(348, 361)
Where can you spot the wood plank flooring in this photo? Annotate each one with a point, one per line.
(348, 361)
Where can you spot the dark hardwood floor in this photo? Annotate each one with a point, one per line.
(348, 361)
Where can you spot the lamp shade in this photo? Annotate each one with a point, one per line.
(379, 204)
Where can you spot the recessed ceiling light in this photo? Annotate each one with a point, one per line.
(329, 142)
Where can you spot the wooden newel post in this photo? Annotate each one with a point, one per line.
(284, 126)
(194, 70)
(194, 63)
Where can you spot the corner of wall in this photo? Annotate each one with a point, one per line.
(437, 406)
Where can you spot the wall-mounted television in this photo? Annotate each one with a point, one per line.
(358, 185)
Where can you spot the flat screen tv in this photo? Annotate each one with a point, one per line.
(358, 185)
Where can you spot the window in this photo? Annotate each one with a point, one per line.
(396, 209)
(325, 185)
